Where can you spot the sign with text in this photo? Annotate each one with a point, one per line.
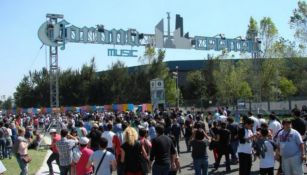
(60, 33)
(121, 53)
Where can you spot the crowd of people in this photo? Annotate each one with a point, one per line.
(139, 143)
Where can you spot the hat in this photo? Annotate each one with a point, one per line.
(95, 125)
(52, 130)
(84, 140)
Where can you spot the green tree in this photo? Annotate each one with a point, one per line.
(298, 21)
(231, 82)
(268, 33)
(197, 84)
(8, 103)
(287, 87)
(252, 31)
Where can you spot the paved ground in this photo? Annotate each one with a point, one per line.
(186, 164)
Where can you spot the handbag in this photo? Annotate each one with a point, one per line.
(27, 158)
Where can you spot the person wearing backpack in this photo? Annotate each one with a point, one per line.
(267, 160)
(85, 155)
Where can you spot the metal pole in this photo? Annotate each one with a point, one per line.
(177, 87)
(53, 61)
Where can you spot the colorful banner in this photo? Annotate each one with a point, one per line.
(130, 107)
(82, 109)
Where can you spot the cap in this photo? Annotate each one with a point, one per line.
(52, 130)
(84, 140)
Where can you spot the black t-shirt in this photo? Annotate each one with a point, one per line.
(131, 157)
(233, 128)
(224, 136)
(299, 125)
(199, 149)
(162, 149)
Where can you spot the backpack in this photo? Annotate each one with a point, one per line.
(1, 133)
(176, 130)
(241, 135)
(76, 154)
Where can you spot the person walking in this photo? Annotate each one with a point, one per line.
(55, 153)
(102, 159)
(163, 153)
(109, 134)
(64, 147)
(267, 160)
(246, 138)
(22, 151)
(223, 146)
(291, 149)
(3, 132)
(130, 152)
(233, 127)
(175, 131)
(199, 152)
(85, 155)
(94, 136)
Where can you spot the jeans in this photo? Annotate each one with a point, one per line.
(2, 148)
(160, 169)
(266, 171)
(201, 166)
(177, 144)
(233, 149)
(292, 165)
(52, 157)
(22, 165)
(245, 163)
(64, 170)
(187, 142)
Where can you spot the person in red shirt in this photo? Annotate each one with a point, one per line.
(55, 153)
(81, 169)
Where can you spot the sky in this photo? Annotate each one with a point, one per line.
(20, 19)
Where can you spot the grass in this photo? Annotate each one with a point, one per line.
(37, 160)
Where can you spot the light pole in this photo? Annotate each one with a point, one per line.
(177, 87)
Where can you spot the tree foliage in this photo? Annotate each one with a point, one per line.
(298, 21)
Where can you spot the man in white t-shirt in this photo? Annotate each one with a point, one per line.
(291, 149)
(274, 125)
(109, 134)
(107, 162)
(221, 117)
(256, 122)
(261, 119)
(246, 138)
